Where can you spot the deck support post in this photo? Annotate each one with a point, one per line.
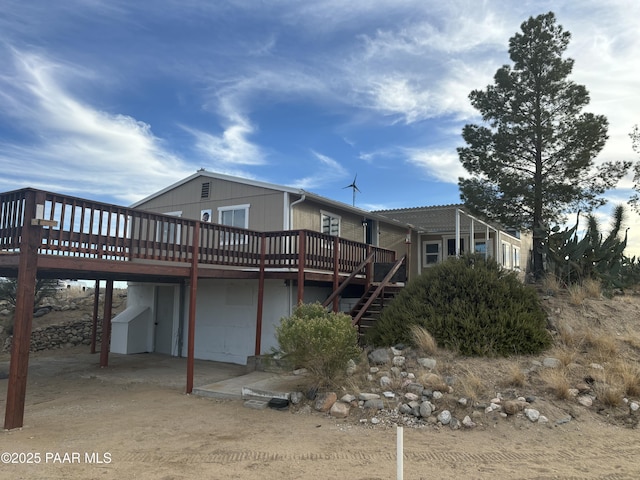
(336, 272)
(25, 297)
(263, 245)
(368, 272)
(193, 294)
(94, 324)
(106, 325)
(302, 255)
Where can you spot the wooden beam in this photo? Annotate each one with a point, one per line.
(336, 272)
(263, 246)
(25, 297)
(193, 293)
(302, 255)
(106, 325)
(94, 324)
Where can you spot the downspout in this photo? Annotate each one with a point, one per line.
(300, 200)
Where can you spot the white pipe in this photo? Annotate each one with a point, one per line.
(399, 452)
(300, 200)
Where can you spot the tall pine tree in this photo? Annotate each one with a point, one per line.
(532, 161)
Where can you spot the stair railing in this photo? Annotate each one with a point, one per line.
(378, 290)
(344, 284)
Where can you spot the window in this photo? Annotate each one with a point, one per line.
(169, 232)
(516, 257)
(481, 248)
(506, 255)
(451, 247)
(330, 224)
(431, 253)
(234, 216)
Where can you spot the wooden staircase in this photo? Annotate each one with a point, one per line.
(368, 315)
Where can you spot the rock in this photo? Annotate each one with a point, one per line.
(374, 369)
(532, 414)
(399, 361)
(426, 409)
(296, 397)
(551, 362)
(348, 398)
(324, 401)
(375, 420)
(411, 397)
(374, 403)
(444, 417)
(454, 424)
(511, 407)
(467, 422)
(389, 394)
(437, 395)
(428, 363)
(385, 381)
(351, 367)
(415, 388)
(563, 420)
(41, 312)
(596, 366)
(634, 406)
(405, 409)
(379, 356)
(368, 396)
(585, 400)
(339, 410)
(463, 401)
(543, 419)
(583, 387)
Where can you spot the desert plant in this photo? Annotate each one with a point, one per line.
(320, 341)
(423, 340)
(557, 381)
(610, 395)
(577, 294)
(516, 377)
(469, 305)
(629, 376)
(592, 288)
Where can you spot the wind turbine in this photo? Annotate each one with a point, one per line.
(355, 189)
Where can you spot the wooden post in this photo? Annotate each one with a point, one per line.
(25, 297)
(336, 271)
(368, 270)
(94, 325)
(106, 325)
(263, 246)
(302, 254)
(193, 292)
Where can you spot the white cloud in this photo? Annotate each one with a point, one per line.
(441, 165)
(330, 171)
(76, 147)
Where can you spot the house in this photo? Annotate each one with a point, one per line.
(227, 300)
(446, 231)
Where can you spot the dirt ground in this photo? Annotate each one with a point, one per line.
(133, 420)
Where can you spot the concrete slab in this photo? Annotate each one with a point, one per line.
(256, 385)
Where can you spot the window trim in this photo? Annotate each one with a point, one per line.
(324, 213)
(244, 207)
(425, 264)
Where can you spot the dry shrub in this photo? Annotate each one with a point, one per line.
(592, 288)
(629, 375)
(567, 356)
(603, 347)
(551, 284)
(472, 386)
(577, 294)
(423, 340)
(609, 395)
(567, 336)
(557, 381)
(516, 377)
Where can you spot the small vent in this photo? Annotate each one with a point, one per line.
(206, 187)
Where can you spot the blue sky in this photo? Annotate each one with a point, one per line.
(113, 100)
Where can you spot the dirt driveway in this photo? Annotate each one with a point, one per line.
(133, 420)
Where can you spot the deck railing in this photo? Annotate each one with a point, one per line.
(77, 227)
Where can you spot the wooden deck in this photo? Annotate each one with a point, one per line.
(47, 235)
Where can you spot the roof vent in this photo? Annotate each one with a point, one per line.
(206, 187)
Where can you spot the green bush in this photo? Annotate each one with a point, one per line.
(469, 305)
(320, 341)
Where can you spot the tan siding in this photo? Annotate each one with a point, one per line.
(265, 211)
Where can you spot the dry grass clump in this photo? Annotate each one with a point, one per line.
(609, 395)
(516, 377)
(557, 381)
(551, 285)
(472, 386)
(423, 340)
(629, 377)
(567, 336)
(577, 294)
(603, 347)
(592, 288)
